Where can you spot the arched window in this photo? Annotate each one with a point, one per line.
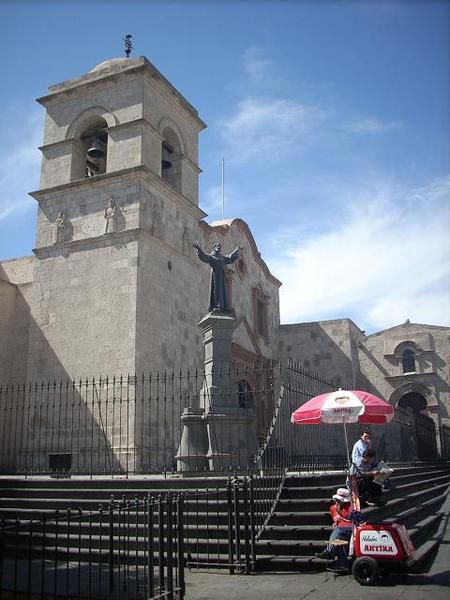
(408, 361)
(260, 312)
(171, 158)
(245, 395)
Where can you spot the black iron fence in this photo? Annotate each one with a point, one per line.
(134, 549)
(126, 550)
(220, 526)
(150, 424)
(172, 422)
(445, 442)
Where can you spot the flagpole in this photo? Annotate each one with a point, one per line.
(223, 188)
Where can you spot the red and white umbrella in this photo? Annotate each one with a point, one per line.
(344, 406)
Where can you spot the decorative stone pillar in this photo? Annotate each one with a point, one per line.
(219, 435)
(202, 424)
(230, 427)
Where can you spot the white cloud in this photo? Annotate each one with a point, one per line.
(20, 165)
(354, 244)
(256, 66)
(369, 125)
(266, 126)
(386, 260)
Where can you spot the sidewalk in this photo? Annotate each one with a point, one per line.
(431, 585)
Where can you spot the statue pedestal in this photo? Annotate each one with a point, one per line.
(231, 439)
(220, 433)
(191, 454)
(230, 427)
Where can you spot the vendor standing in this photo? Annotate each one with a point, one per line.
(363, 444)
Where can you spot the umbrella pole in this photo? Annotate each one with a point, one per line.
(346, 443)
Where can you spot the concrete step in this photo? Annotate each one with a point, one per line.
(115, 483)
(290, 564)
(298, 528)
(296, 532)
(300, 518)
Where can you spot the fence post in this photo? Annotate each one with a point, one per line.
(245, 511)
(55, 560)
(251, 491)
(150, 545)
(230, 527)
(180, 544)
(169, 546)
(161, 543)
(2, 538)
(111, 545)
(44, 548)
(237, 532)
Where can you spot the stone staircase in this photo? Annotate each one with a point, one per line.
(300, 523)
(298, 527)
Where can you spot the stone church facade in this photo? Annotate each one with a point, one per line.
(407, 365)
(123, 292)
(114, 284)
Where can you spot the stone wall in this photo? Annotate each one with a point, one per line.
(83, 311)
(328, 347)
(84, 203)
(8, 300)
(380, 360)
(16, 277)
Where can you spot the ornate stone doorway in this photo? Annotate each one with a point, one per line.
(415, 401)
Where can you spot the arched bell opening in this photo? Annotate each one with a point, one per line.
(171, 158)
(94, 140)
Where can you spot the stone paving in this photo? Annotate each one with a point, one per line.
(433, 584)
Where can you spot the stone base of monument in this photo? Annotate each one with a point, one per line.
(191, 455)
(219, 435)
(232, 441)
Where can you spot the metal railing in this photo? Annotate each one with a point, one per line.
(134, 425)
(126, 550)
(172, 422)
(220, 526)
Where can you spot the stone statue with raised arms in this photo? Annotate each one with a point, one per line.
(218, 300)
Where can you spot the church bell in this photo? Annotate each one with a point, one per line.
(166, 151)
(96, 150)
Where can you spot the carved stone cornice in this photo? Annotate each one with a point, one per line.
(99, 241)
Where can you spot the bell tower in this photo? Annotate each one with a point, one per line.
(117, 212)
(122, 114)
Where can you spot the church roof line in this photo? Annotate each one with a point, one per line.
(322, 321)
(226, 224)
(408, 324)
(112, 69)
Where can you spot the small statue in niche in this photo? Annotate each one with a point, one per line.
(60, 227)
(110, 216)
(218, 301)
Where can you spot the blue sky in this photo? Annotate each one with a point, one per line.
(332, 118)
